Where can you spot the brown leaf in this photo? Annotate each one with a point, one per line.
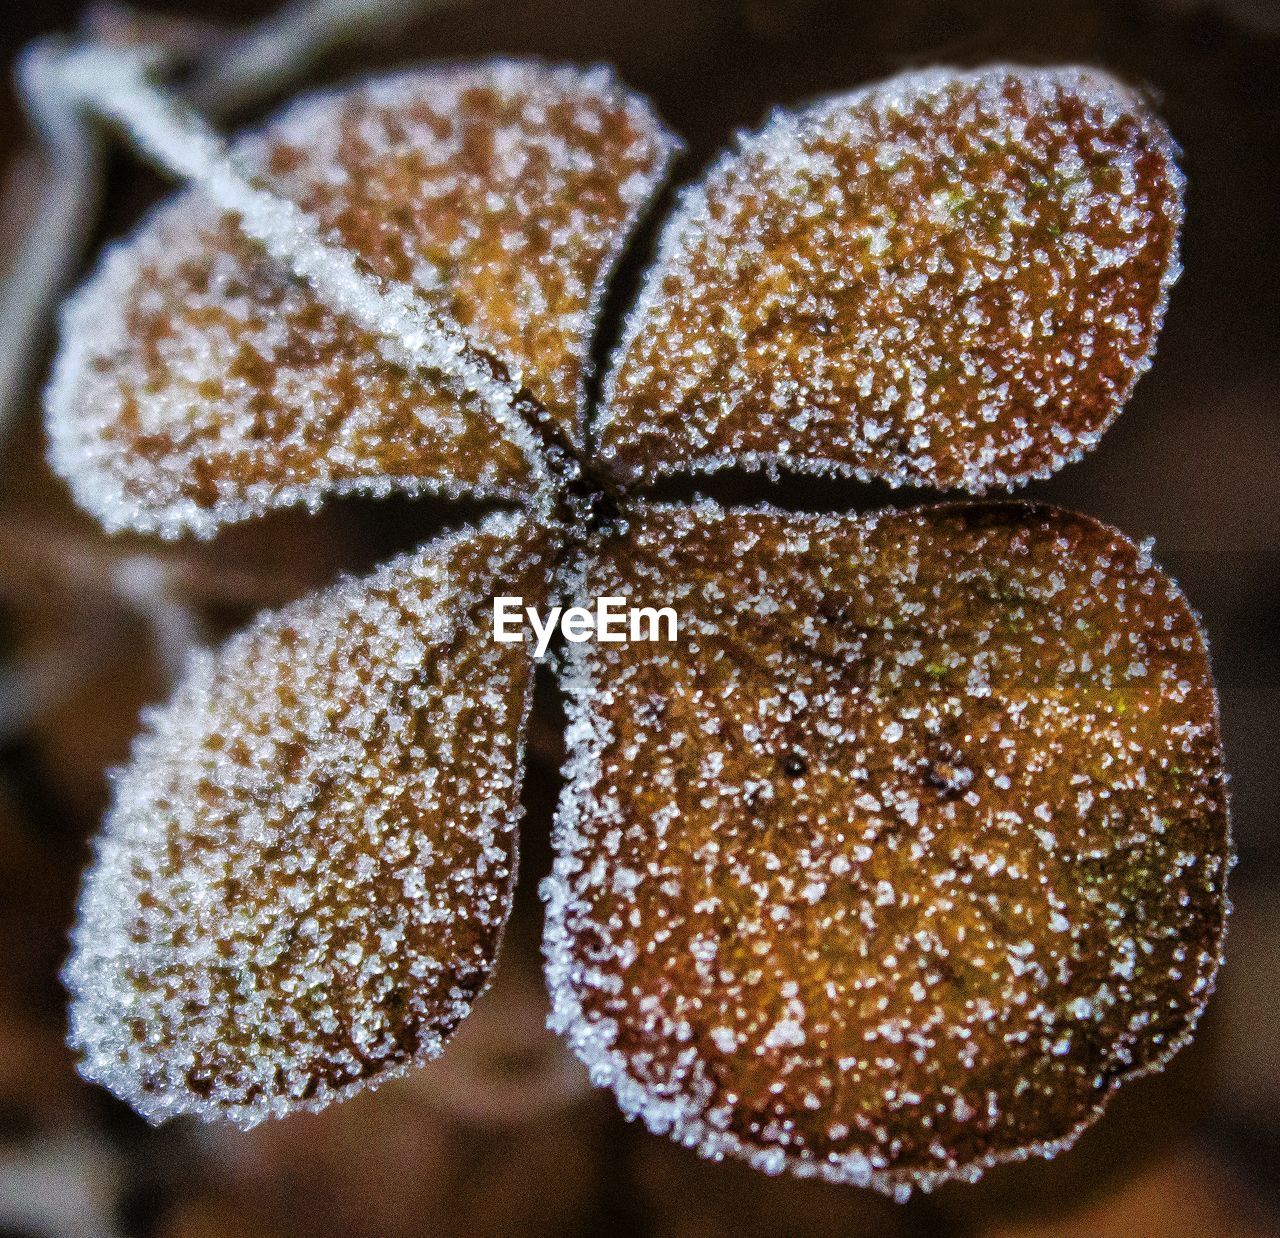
(905, 854)
(199, 384)
(950, 279)
(516, 182)
(305, 875)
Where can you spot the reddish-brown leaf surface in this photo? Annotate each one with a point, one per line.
(949, 279)
(905, 854)
(198, 383)
(305, 875)
(507, 189)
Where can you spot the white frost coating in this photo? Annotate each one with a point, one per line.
(835, 393)
(639, 723)
(415, 132)
(83, 404)
(303, 880)
(533, 180)
(115, 83)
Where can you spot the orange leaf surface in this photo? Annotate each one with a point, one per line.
(198, 383)
(305, 875)
(945, 279)
(905, 854)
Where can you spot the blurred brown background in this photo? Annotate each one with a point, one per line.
(503, 1136)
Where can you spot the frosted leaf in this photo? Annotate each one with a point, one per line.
(198, 383)
(508, 187)
(905, 855)
(950, 279)
(304, 877)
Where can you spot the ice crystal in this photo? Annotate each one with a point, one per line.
(307, 868)
(847, 948)
(945, 279)
(199, 384)
(902, 857)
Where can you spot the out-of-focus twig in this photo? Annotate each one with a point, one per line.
(39, 558)
(148, 586)
(100, 587)
(65, 1185)
(47, 245)
(282, 47)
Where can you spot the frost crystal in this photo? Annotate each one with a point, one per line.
(304, 877)
(949, 279)
(831, 798)
(905, 854)
(198, 383)
(507, 189)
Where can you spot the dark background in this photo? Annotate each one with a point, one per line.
(503, 1136)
